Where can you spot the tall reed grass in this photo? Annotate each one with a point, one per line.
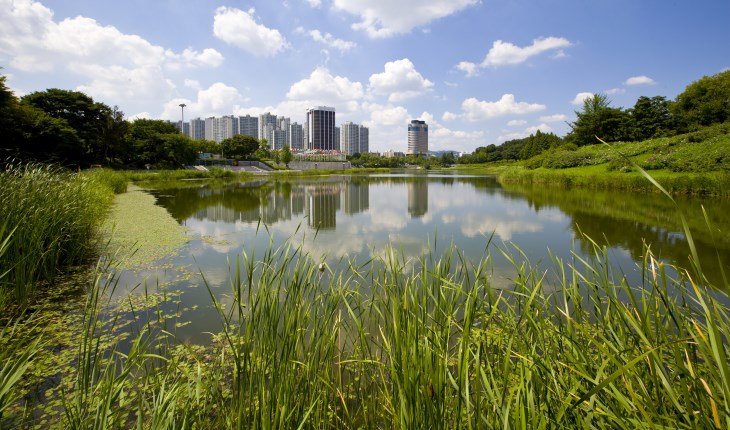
(430, 343)
(53, 214)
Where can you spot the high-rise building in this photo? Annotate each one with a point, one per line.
(219, 129)
(337, 138)
(183, 127)
(296, 135)
(282, 123)
(278, 139)
(267, 124)
(197, 129)
(354, 138)
(321, 128)
(248, 126)
(350, 138)
(417, 138)
(364, 139)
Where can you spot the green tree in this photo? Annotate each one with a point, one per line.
(81, 113)
(277, 156)
(598, 119)
(704, 102)
(239, 147)
(263, 150)
(159, 144)
(286, 156)
(651, 117)
(538, 143)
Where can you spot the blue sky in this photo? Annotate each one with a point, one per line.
(479, 72)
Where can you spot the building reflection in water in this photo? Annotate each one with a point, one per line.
(417, 198)
(319, 202)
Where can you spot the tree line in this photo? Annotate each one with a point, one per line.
(703, 103)
(71, 129)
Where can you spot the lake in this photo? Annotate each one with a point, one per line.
(336, 219)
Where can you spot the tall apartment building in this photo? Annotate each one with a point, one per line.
(296, 136)
(248, 126)
(183, 127)
(267, 124)
(321, 128)
(337, 138)
(417, 138)
(278, 139)
(283, 123)
(197, 129)
(364, 139)
(219, 129)
(354, 138)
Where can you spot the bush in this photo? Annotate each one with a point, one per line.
(567, 159)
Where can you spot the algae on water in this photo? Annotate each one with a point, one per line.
(141, 232)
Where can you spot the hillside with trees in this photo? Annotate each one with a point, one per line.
(704, 103)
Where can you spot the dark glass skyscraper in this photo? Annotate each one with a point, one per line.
(321, 128)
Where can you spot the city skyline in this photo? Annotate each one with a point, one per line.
(477, 72)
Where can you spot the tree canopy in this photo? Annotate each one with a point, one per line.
(240, 146)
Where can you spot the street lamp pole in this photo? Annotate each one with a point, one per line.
(182, 117)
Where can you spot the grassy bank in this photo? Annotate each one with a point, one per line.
(696, 163)
(50, 216)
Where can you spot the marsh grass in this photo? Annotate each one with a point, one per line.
(429, 342)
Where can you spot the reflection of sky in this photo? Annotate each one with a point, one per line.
(364, 217)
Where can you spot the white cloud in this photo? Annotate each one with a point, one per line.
(544, 128)
(517, 123)
(558, 117)
(477, 110)
(613, 91)
(639, 80)
(504, 53)
(469, 68)
(581, 97)
(217, 100)
(400, 80)
(386, 18)
(323, 88)
(329, 40)
(111, 65)
(448, 116)
(239, 28)
(314, 3)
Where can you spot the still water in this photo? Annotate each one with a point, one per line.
(340, 218)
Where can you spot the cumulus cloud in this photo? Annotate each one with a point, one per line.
(112, 65)
(324, 88)
(478, 110)
(329, 40)
(470, 69)
(387, 18)
(400, 80)
(505, 53)
(217, 100)
(239, 28)
(581, 97)
(639, 80)
(517, 123)
(544, 128)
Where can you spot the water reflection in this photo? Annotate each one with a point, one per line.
(356, 216)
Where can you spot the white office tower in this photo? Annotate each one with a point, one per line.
(354, 138)
(417, 138)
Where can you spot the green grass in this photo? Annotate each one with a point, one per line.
(379, 345)
(53, 215)
(696, 163)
